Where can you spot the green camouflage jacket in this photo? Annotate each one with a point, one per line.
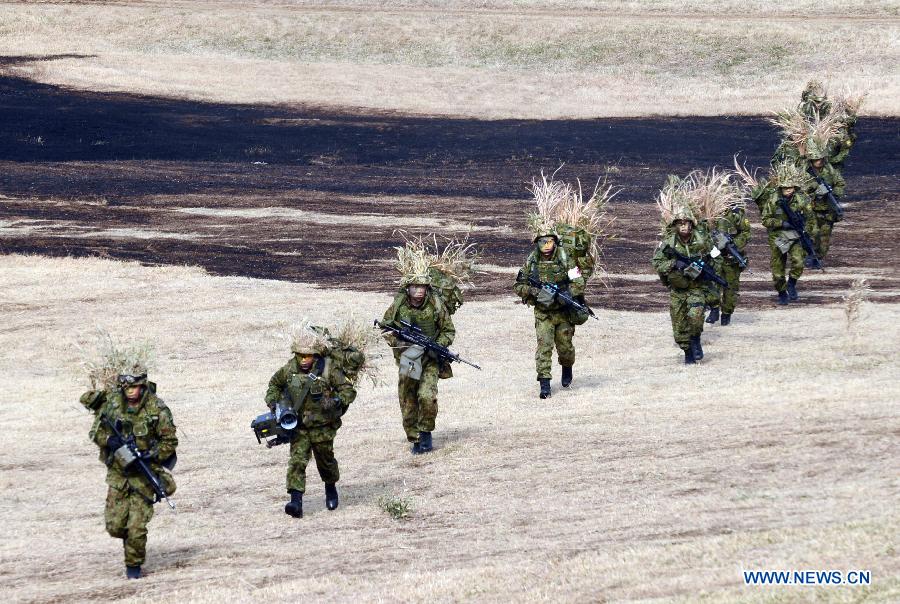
(699, 247)
(560, 269)
(736, 224)
(773, 215)
(154, 431)
(833, 177)
(319, 401)
(432, 318)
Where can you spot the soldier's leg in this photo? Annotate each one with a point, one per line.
(693, 317)
(116, 513)
(543, 356)
(296, 472)
(323, 449)
(732, 274)
(678, 312)
(778, 265)
(562, 337)
(409, 408)
(824, 238)
(140, 511)
(427, 397)
(796, 256)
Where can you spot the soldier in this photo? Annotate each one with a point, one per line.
(784, 240)
(814, 100)
(687, 289)
(134, 409)
(554, 324)
(819, 167)
(844, 138)
(419, 372)
(318, 390)
(736, 226)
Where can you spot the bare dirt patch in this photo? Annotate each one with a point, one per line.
(319, 196)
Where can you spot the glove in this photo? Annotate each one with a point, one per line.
(680, 264)
(114, 442)
(786, 225)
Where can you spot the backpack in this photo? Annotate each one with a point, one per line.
(577, 244)
(348, 359)
(447, 289)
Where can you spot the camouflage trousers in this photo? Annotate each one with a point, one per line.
(823, 239)
(686, 308)
(127, 515)
(728, 298)
(552, 329)
(796, 255)
(320, 443)
(418, 401)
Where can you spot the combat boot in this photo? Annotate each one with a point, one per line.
(689, 357)
(133, 572)
(696, 348)
(425, 442)
(331, 496)
(415, 449)
(726, 319)
(792, 289)
(566, 380)
(713, 315)
(295, 506)
(545, 387)
(782, 298)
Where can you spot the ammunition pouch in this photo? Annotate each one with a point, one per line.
(577, 316)
(692, 271)
(123, 457)
(411, 362)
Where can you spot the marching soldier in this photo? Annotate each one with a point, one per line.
(733, 228)
(318, 390)
(146, 436)
(818, 167)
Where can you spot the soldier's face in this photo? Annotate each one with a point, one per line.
(416, 294)
(133, 393)
(547, 245)
(684, 228)
(787, 192)
(306, 361)
(818, 163)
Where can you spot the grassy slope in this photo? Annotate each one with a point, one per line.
(646, 480)
(530, 60)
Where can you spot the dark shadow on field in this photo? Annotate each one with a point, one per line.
(169, 181)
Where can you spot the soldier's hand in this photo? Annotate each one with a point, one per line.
(786, 225)
(114, 442)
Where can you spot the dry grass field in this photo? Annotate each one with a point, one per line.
(646, 481)
(487, 59)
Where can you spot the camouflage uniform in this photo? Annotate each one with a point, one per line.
(839, 146)
(825, 215)
(129, 500)
(785, 243)
(418, 398)
(552, 323)
(687, 296)
(319, 404)
(734, 223)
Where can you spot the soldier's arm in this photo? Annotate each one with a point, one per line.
(770, 219)
(167, 439)
(809, 215)
(344, 390)
(390, 316)
(838, 183)
(276, 385)
(447, 329)
(521, 287)
(100, 433)
(576, 284)
(743, 234)
(661, 262)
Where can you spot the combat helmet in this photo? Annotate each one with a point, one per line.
(414, 265)
(815, 149)
(674, 203)
(788, 174)
(814, 92)
(309, 339)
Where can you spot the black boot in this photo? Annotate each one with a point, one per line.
(545, 387)
(782, 298)
(133, 572)
(295, 506)
(331, 496)
(808, 262)
(726, 319)
(566, 380)
(425, 442)
(696, 349)
(415, 449)
(713, 315)
(792, 289)
(689, 357)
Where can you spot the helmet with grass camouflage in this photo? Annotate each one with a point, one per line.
(683, 213)
(126, 380)
(815, 149)
(814, 92)
(789, 174)
(309, 339)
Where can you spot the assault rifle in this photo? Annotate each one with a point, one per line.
(798, 223)
(275, 427)
(694, 268)
(138, 460)
(829, 194)
(562, 295)
(413, 335)
(724, 241)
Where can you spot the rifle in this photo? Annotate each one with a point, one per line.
(698, 268)
(724, 241)
(412, 334)
(562, 295)
(144, 470)
(799, 224)
(829, 194)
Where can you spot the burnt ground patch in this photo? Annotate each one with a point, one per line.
(315, 194)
